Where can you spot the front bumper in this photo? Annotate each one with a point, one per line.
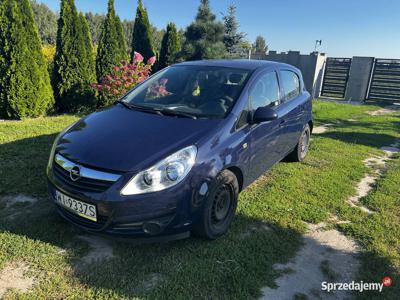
(161, 214)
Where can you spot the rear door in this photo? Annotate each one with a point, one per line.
(291, 111)
(264, 137)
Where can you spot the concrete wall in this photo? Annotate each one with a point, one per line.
(359, 77)
(311, 65)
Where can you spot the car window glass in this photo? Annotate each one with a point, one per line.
(201, 91)
(265, 91)
(291, 85)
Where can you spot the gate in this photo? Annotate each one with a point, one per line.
(385, 82)
(335, 78)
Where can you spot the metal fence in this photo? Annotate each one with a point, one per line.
(336, 77)
(385, 80)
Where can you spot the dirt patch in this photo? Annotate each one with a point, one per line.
(10, 206)
(100, 249)
(261, 227)
(152, 281)
(13, 276)
(321, 129)
(384, 111)
(325, 254)
(9, 201)
(377, 164)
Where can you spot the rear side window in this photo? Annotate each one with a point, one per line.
(291, 85)
(265, 91)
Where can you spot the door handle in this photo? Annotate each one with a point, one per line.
(282, 122)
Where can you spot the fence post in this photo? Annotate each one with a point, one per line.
(359, 78)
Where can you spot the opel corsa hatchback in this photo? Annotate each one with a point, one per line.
(172, 155)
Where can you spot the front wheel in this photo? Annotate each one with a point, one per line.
(300, 152)
(219, 207)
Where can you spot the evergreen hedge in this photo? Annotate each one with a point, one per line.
(112, 48)
(142, 40)
(25, 89)
(73, 69)
(170, 47)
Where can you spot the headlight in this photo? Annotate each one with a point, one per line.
(168, 172)
(53, 148)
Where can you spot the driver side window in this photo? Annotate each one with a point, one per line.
(265, 91)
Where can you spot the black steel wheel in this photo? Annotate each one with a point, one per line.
(219, 207)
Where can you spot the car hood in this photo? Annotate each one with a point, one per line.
(120, 139)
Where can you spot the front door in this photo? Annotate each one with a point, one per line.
(264, 137)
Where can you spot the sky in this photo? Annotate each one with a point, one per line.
(346, 27)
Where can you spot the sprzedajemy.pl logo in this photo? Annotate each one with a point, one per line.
(356, 286)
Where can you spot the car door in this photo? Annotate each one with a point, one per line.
(264, 137)
(291, 110)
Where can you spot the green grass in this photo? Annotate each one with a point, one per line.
(236, 266)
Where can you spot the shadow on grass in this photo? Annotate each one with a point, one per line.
(361, 138)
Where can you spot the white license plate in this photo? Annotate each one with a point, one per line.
(85, 210)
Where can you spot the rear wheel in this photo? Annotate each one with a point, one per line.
(219, 207)
(300, 152)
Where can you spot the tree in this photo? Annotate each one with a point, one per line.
(88, 58)
(232, 38)
(170, 47)
(72, 72)
(95, 22)
(260, 45)
(121, 37)
(112, 47)
(204, 37)
(142, 39)
(25, 89)
(46, 21)
(156, 38)
(128, 32)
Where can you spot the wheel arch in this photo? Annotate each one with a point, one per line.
(239, 175)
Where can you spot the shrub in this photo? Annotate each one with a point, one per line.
(204, 37)
(111, 49)
(25, 89)
(170, 47)
(73, 71)
(124, 77)
(141, 41)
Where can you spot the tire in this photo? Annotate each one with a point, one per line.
(219, 207)
(300, 152)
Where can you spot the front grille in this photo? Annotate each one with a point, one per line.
(82, 184)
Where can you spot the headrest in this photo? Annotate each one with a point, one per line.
(235, 78)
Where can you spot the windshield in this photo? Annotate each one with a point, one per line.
(200, 91)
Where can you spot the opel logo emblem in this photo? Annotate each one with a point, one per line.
(75, 173)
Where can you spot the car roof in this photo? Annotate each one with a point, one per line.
(248, 64)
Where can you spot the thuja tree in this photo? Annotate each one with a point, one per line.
(170, 47)
(204, 37)
(112, 48)
(25, 89)
(72, 73)
(142, 40)
(88, 58)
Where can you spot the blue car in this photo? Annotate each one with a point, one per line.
(172, 155)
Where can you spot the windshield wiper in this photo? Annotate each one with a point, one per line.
(139, 107)
(155, 110)
(171, 112)
(127, 105)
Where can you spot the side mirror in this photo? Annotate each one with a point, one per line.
(264, 114)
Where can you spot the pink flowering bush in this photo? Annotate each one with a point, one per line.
(124, 77)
